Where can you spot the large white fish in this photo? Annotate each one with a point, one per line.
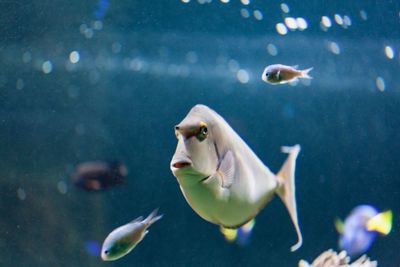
(220, 176)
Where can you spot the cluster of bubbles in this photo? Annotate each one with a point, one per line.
(89, 30)
(390, 54)
(244, 12)
(290, 23)
(230, 68)
(73, 58)
(257, 14)
(343, 21)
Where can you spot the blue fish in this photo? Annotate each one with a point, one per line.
(360, 228)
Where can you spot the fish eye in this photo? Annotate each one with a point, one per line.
(267, 74)
(106, 252)
(204, 130)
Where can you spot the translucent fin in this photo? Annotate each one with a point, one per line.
(287, 189)
(229, 234)
(248, 227)
(381, 223)
(304, 73)
(295, 66)
(152, 218)
(227, 169)
(138, 219)
(339, 224)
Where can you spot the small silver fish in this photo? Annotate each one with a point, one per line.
(280, 74)
(125, 238)
(221, 178)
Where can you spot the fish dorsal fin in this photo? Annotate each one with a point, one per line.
(227, 169)
(138, 219)
(295, 66)
(381, 223)
(339, 224)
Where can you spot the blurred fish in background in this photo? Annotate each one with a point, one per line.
(99, 175)
(93, 248)
(359, 229)
(240, 236)
(101, 9)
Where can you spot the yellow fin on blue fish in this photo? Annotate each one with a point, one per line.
(381, 223)
(339, 224)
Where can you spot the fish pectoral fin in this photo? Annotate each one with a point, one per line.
(227, 169)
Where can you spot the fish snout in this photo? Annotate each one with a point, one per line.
(186, 132)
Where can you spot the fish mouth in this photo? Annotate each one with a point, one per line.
(181, 164)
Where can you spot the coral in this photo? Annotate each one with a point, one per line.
(330, 258)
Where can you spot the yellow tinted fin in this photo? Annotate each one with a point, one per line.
(229, 234)
(286, 190)
(339, 224)
(381, 223)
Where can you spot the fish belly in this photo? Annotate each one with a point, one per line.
(230, 208)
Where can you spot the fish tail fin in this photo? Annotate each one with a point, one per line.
(339, 225)
(381, 223)
(286, 190)
(153, 217)
(304, 73)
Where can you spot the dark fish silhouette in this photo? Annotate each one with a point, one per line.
(99, 175)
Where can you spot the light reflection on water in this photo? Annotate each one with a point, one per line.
(232, 59)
